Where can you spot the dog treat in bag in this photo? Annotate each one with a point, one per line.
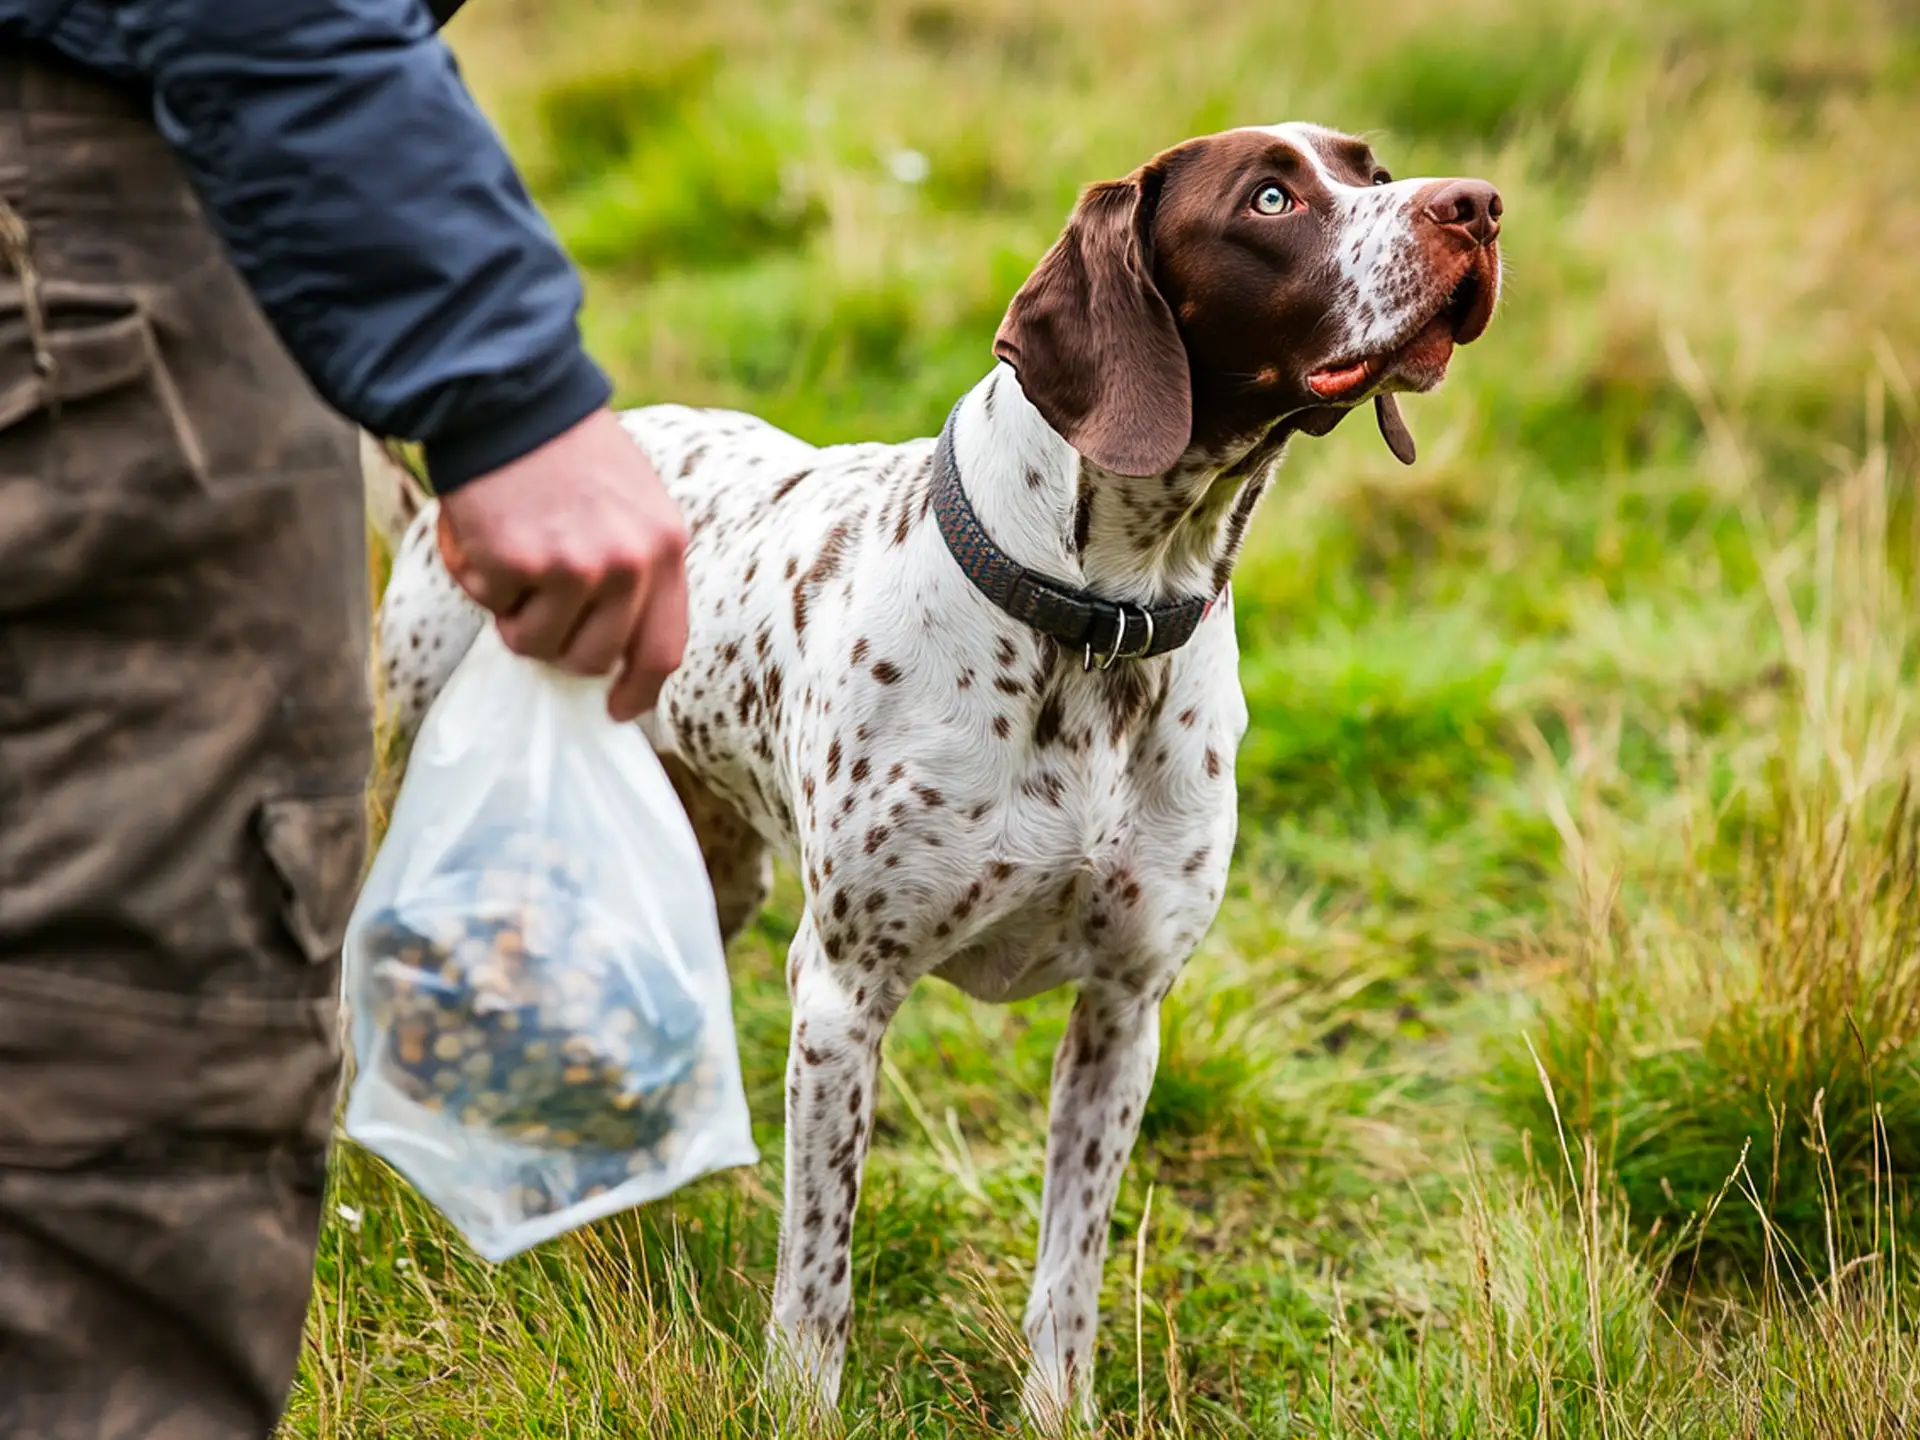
(541, 1023)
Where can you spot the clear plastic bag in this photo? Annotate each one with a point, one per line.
(542, 1029)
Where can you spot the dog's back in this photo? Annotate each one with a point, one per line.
(728, 471)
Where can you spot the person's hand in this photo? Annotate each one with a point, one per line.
(580, 553)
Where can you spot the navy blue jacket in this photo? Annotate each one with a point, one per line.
(367, 202)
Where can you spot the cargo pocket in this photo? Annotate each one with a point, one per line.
(62, 344)
(317, 845)
(95, 1073)
(99, 460)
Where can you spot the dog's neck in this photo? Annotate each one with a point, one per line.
(1143, 540)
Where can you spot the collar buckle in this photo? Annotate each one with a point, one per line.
(1119, 651)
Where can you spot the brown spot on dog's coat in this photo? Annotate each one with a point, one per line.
(825, 566)
(1130, 693)
(1082, 516)
(964, 906)
(1047, 722)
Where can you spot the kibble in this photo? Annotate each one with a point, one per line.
(509, 1002)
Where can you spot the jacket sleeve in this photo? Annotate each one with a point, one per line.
(377, 218)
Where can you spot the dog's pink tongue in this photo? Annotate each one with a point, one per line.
(1330, 383)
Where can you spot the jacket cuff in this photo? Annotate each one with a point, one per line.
(574, 391)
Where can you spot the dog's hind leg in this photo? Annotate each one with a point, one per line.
(739, 862)
(1101, 1075)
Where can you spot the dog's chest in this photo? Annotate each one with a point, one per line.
(1122, 883)
(1091, 838)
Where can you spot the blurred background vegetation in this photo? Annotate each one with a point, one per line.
(1552, 1070)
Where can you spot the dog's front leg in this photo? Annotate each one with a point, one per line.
(1101, 1075)
(840, 1013)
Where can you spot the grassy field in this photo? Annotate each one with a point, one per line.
(1554, 1069)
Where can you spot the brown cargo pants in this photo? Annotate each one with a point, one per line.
(184, 737)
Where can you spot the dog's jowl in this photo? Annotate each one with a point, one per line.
(982, 687)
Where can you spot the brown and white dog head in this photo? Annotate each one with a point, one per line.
(1248, 280)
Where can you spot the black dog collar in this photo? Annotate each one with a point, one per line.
(1105, 631)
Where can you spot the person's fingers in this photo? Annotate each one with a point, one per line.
(540, 628)
(600, 638)
(494, 588)
(657, 644)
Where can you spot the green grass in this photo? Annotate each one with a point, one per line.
(1554, 1068)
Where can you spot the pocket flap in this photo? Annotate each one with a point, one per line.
(318, 845)
(97, 339)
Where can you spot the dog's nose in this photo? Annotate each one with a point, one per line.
(1471, 208)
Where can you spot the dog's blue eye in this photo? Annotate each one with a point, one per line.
(1272, 200)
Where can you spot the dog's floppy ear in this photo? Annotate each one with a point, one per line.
(1093, 340)
(1393, 428)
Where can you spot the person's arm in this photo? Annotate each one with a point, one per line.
(384, 231)
(377, 218)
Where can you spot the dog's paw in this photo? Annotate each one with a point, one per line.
(1053, 1408)
(800, 1388)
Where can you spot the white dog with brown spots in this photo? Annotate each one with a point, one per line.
(983, 690)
